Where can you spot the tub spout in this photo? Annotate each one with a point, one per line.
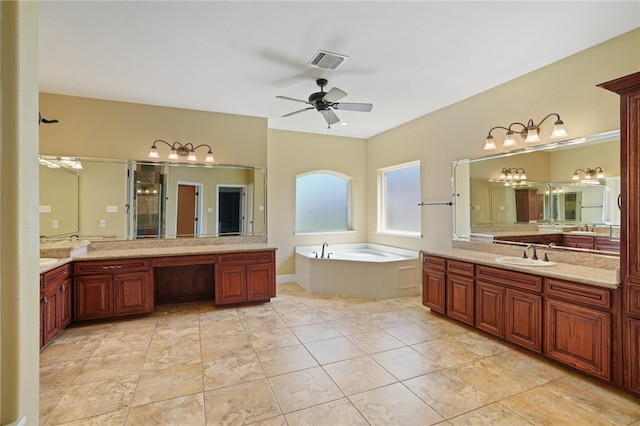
(324, 245)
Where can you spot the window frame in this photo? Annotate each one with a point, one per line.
(381, 213)
(349, 198)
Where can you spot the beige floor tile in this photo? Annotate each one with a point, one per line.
(313, 332)
(228, 325)
(535, 369)
(172, 355)
(94, 398)
(494, 414)
(494, 378)
(332, 350)
(185, 410)
(231, 370)
(223, 345)
(100, 368)
(374, 341)
(303, 389)
(611, 405)
(446, 352)
(285, 360)
(157, 385)
(61, 350)
(447, 393)
(273, 421)
(394, 405)
(114, 418)
(405, 363)
(123, 341)
(358, 375)
(352, 325)
(170, 334)
(481, 344)
(241, 404)
(294, 317)
(272, 339)
(542, 407)
(340, 412)
(387, 319)
(411, 334)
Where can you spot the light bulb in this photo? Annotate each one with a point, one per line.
(173, 155)
(209, 158)
(153, 153)
(509, 140)
(192, 156)
(489, 144)
(558, 130)
(532, 135)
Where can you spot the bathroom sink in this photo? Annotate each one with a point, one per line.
(519, 261)
(47, 261)
(582, 232)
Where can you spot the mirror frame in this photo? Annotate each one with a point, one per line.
(129, 233)
(458, 172)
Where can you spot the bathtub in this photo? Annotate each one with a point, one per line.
(361, 270)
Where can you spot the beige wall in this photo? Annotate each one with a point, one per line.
(108, 129)
(58, 191)
(19, 290)
(292, 154)
(567, 87)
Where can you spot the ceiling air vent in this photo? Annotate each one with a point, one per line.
(327, 60)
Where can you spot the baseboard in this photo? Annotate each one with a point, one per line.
(284, 279)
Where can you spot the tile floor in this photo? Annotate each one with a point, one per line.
(308, 359)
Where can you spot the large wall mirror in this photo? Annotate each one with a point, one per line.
(492, 195)
(125, 199)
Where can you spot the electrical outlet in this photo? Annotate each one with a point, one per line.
(112, 209)
(45, 209)
(103, 223)
(55, 224)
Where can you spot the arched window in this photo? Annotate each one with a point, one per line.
(323, 202)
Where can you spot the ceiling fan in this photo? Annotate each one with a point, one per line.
(326, 102)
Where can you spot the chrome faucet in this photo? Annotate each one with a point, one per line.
(535, 253)
(323, 247)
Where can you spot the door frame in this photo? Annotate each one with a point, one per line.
(199, 226)
(243, 207)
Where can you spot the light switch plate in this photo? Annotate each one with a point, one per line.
(45, 209)
(112, 209)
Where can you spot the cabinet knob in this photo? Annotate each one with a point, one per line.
(44, 299)
(63, 288)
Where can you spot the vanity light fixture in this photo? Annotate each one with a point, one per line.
(589, 174)
(529, 132)
(179, 150)
(512, 176)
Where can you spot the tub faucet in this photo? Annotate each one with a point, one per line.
(323, 247)
(534, 255)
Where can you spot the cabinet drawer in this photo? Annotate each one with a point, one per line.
(111, 266)
(574, 292)
(57, 275)
(184, 260)
(432, 262)
(509, 278)
(633, 302)
(246, 258)
(462, 268)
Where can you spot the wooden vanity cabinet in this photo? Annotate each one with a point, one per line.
(460, 291)
(434, 281)
(578, 241)
(55, 303)
(245, 277)
(522, 316)
(112, 288)
(607, 244)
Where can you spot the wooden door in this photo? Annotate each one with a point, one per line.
(66, 312)
(260, 282)
(186, 213)
(94, 297)
(490, 308)
(51, 315)
(523, 324)
(131, 294)
(231, 284)
(433, 290)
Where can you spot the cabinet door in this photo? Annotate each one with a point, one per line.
(94, 297)
(634, 354)
(579, 336)
(578, 241)
(460, 299)
(231, 285)
(131, 294)
(490, 308)
(51, 315)
(433, 290)
(523, 324)
(66, 313)
(260, 282)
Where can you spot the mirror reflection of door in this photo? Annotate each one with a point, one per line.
(231, 201)
(186, 215)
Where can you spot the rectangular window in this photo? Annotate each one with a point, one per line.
(399, 196)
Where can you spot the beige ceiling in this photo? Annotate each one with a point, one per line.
(406, 58)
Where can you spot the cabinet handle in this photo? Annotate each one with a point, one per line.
(44, 299)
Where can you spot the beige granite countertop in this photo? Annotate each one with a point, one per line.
(124, 253)
(578, 273)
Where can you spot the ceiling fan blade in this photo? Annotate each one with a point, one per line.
(292, 99)
(296, 112)
(333, 95)
(329, 116)
(347, 106)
